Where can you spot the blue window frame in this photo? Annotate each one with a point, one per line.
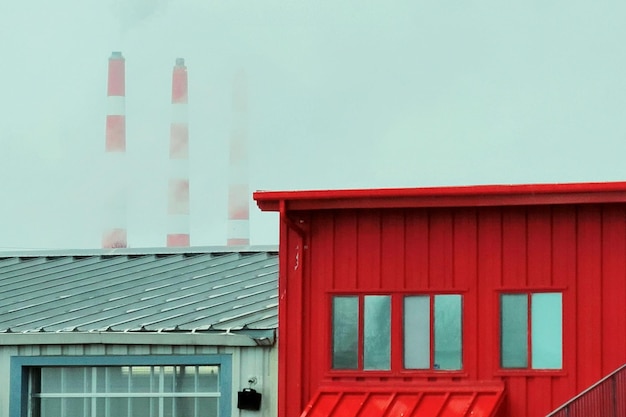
(155, 368)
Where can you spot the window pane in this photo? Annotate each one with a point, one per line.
(448, 332)
(50, 407)
(546, 331)
(345, 332)
(50, 378)
(377, 332)
(185, 379)
(208, 407)
(140, 379)
(168, 378)
(514, 330)
(184, 407)
(117, 406)
(75, 407)
(417, 332)
(101, 407)
(100, 378)
(168, 407)
(117, 379)
(73, 379)
(208, 378)
(140, 407)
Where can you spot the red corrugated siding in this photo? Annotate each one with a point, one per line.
(579, 249)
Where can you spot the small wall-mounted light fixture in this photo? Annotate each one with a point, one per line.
(248, 398)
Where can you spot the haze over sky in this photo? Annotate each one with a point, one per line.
(342, 94)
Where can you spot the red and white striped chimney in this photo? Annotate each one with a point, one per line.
(178, 191)
(238, 193)
(114, 235)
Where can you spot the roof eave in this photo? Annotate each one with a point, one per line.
(266, 338)
(465, 196)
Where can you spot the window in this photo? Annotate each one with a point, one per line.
(431, 328)
(168, 386)
(432, 320)
(531, 330)
(376, 346)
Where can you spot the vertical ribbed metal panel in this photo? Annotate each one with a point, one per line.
(577, 249)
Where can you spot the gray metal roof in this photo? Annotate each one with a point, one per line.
(148, 291)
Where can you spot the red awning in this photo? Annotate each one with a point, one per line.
(449, 400)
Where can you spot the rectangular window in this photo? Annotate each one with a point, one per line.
(345, 332)
(514, 330)
(136, 391)
(417, 332)
(531, 330)
(433, 332)
(361, 335)
(120, 386)
(377, 332)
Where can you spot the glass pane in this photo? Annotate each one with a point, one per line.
(448, 332)
(140, 407)
(50, 378)
(208, 407)
(117, 379)
(75, 407)
(51, 407)
(377, 332)
(547, 331)
(101, 385)
(514, 330)
(185, 379)
(208, 378)
(417, 332)
(168, 378)
(117, 407)
(101, 407)
(184, 407)
(168, 407)
(345, 332)
(140, 379)
(73, 379)
(154, 407)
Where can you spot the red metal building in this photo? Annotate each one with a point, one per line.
(482, 301)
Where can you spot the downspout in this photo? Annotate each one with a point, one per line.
(291, 310)
(288, 221)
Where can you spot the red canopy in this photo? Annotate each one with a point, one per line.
(449, 400)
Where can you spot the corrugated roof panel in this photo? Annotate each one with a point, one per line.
(442, 400)
(186, 291)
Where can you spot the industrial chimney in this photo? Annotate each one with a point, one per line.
(238, 194)
(178, 188)
(114, 235)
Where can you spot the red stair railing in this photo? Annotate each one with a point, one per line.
(605, 398)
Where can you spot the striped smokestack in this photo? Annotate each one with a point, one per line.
(114, 235)
(178, 188)
(238, 194)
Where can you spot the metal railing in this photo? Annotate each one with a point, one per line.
(605, 398)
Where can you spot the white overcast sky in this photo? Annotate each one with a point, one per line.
(342, 94)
